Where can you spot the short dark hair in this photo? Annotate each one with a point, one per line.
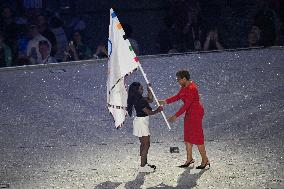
(183, 74)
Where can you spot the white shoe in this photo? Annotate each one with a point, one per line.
(146, 169)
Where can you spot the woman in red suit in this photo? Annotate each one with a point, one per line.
(194, 112)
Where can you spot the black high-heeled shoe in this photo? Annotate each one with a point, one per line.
(152, 166)
(187, 164)
(203, 166)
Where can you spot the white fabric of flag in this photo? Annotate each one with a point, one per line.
(122, 61)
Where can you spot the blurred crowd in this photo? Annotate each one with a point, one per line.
(31, 35)
(185, 30)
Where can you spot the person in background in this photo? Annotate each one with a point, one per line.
(267, 21)
(128, 35)
(141, 121)
(212, 41)
(192, 30)
(61, 40)
(180, 11)
(22, 44)
(77, 23)
(44, 30)
(253, 39)
(77, 50)
(101, 52)
(33, 45)
(9, 27)
(44, 50)
(194, 112)
(165, 36)
(5, 52)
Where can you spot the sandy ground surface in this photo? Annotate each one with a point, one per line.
(55, 130)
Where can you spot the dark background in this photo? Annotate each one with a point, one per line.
(234, 18)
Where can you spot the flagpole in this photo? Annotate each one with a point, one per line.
(147, 81)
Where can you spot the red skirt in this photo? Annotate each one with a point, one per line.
(193, 132)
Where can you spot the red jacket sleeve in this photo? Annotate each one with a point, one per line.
(188, 99)
(173, 99)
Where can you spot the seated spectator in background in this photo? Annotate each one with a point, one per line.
(186, 26)
(212, 41)
(165, 36)
(44, 30)
(196, 33)
(22, 44)
(9, 28)
(193, 27)
(267, 21)
(179, 11)
(77, 24)
(128, 35)
(101, 51)
(44, 50)
(254, 37)
(77, 50)
(61, 39)
(33, 47)
(5, 52)
(256, 30)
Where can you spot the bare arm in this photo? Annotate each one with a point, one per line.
(151, 112)
(150, 95)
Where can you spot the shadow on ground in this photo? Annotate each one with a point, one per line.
(186, 180)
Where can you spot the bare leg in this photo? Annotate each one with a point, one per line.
(188, 151)
(141, 147)
(202, 151)
(145, 143)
